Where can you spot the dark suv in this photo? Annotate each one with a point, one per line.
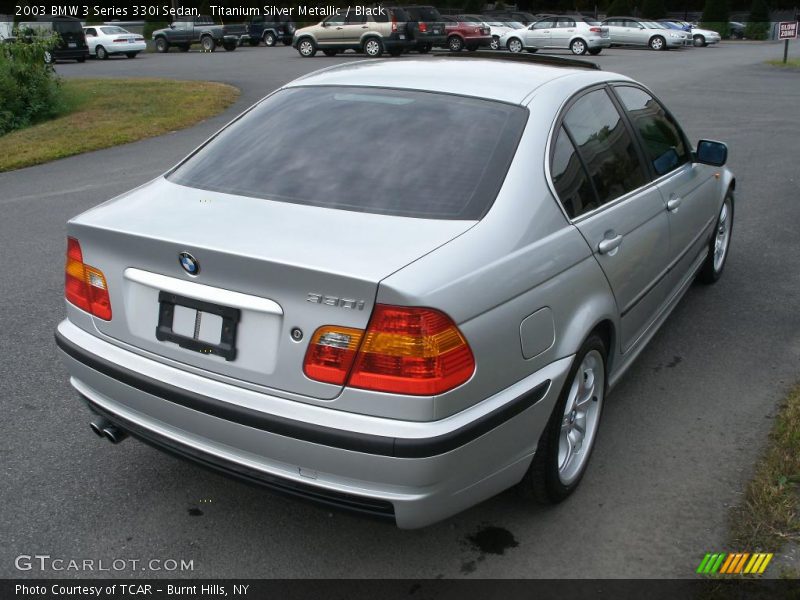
(425, 27)
(71, 44)
(270, 30)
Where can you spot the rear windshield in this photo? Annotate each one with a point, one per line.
(113, 30)
(375, 150)
(424, 13)
(68, 26)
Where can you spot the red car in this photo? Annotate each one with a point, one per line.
(462, 34)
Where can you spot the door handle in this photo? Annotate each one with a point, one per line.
(364, 27)
(608, 245)
(673, 204)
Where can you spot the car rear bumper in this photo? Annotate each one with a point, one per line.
(413, 472)
(598, 42)
(124, 49)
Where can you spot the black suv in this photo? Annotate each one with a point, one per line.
(270, 30)
(425, 27)
(71, 44)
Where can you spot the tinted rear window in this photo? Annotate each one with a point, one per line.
(68, 26)
(371, 150)
(424, 13)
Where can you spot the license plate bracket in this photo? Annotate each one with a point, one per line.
(230, 320)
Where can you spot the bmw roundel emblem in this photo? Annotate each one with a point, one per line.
(189, 263)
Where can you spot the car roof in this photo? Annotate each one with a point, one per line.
(502, 80)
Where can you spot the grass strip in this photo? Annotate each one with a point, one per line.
(100, 113)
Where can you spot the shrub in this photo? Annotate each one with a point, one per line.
(29, 89)
(151, 26)
(757, 27)
(716, 15)
(619, 8)
(654, 9)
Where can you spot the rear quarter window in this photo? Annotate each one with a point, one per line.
(374, 150)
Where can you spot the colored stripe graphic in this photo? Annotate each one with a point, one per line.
(734, 563)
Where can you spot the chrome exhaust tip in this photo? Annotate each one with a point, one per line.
(98, 425)
(114, 434)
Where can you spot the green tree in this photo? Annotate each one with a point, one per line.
(619, 8)
(757, 26)
(654, 9)
(716, 15)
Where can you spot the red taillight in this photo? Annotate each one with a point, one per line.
(595, 29)
(394, 23)
(120, 40)
(415, 351)
(423, 27)
(85, 286)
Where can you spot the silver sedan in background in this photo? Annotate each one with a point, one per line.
(630, 31)
(576, 33)
(397, 332)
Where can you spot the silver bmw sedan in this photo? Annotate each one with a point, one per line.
(398, 287)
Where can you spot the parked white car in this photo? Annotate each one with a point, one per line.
(105, 40)
(578, 34)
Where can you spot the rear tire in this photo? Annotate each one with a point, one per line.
(719, 246)
(373, 47)
(495, 43)
(699, 41)
(455, 43)
(269, 39)
(162, 45)
(306, 47)
(578, 47)
(208, 44)
(101, 53)
(514, 45)
(566, 444)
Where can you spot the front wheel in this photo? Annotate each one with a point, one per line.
(162, 45)
(720, 242)
(699, 41)
(306, 48)
(455, 43)
(269, 39)
(565, 446)
(658, 43)
(101, 53)
(578, 47)
(495, 43)
(373, 48)
(514, 45)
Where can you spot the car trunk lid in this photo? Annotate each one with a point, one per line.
(272, 271)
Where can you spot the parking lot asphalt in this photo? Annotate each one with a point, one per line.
(679, 434)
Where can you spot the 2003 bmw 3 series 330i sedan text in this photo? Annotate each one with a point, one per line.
(328, 299)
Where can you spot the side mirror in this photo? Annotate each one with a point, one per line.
(172, 25)
(711, 153)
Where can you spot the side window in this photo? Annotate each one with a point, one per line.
(91, 31)
(570, 179)
(542, 25)
(335, 20)
(604, 144)
(564, 23)
(354, 19)
(663, 141)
